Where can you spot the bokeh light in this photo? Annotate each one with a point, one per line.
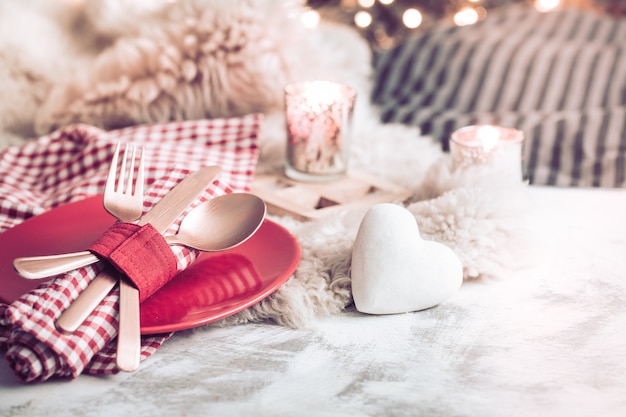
(310, 18)
(546, 5)
(412, 18)
(466, 16)
(362, 19)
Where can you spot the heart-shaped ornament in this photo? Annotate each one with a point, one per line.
(394, 270)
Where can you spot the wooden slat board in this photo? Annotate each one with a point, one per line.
(310, 200)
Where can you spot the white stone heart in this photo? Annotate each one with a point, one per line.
(394, 270)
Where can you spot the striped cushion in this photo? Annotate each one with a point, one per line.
(558, 76)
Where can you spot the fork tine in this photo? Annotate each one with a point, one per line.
(119, 187)
(131, 170)
(112, 175)
(139, 183)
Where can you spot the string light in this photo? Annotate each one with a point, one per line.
(366, 3)
(385, 23)
(546, 5)
(466, 16)
(362, 19)
(412, 18)
(310, 18)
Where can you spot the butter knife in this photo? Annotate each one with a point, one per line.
(161, 216)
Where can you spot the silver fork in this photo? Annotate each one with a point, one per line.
(125, 202)
(127, 205)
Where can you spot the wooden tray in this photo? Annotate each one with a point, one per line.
(310, 200)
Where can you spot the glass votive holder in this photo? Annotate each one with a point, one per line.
(319, 123)
(500, 147)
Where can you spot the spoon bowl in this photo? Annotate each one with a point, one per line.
(220, 223)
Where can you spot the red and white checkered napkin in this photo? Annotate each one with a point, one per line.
(71, 165)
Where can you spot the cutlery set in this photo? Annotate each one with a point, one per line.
(215, 225)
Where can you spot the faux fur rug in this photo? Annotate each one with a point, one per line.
(117, 63)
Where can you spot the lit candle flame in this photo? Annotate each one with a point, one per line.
(488, 137)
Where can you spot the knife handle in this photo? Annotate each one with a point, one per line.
(129, 332)
(86, 302)
(36, 267)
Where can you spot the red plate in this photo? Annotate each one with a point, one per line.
(215, 286)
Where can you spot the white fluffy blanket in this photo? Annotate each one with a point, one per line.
(117, 63)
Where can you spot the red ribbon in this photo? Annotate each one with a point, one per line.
(139, 252)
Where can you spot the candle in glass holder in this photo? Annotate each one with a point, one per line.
(500, 147)
(319, 122)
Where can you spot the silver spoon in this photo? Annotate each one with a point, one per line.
(220, 223)
(215, 225)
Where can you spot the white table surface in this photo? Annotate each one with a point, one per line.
(546, 341)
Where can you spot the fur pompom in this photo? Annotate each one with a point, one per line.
(189, 60)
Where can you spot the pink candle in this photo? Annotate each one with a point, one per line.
(499, 147)
(318, 116)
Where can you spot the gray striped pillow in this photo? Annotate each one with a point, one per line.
(558, 76)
